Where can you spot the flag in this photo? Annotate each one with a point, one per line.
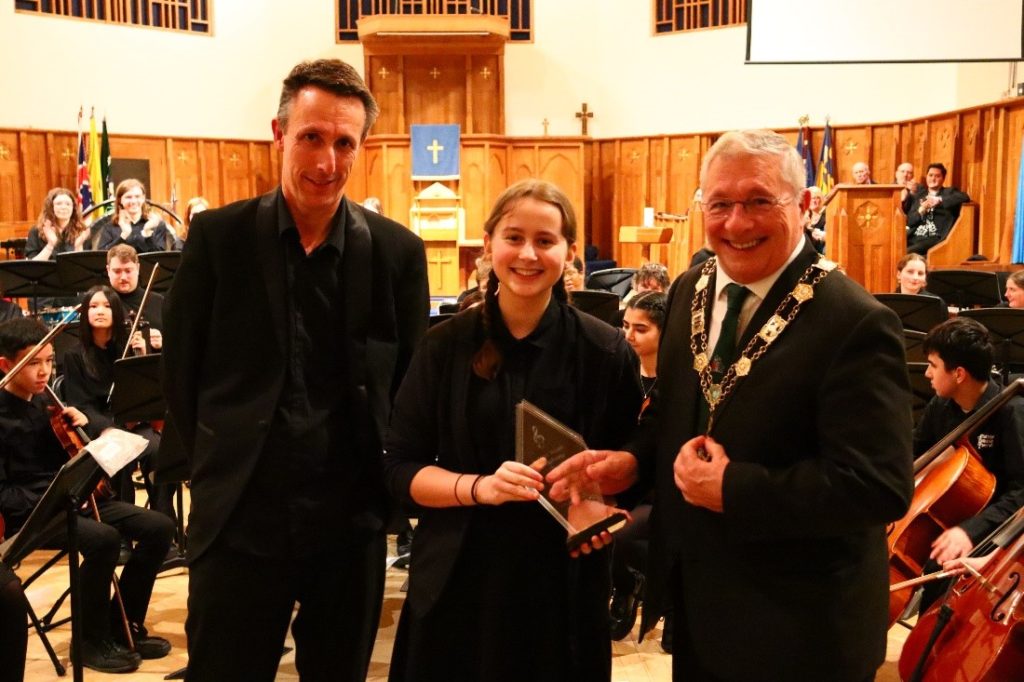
(803, 147)
(1018, 219)
(84, 191)
(95, 174)
(826, 163)
(108, 182)
(435, 152)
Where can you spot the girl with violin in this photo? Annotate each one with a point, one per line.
(30, 456)
(494, 593)
(959, 364)
(89, 376)
(59, 227)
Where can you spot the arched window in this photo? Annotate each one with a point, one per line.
(673, 16)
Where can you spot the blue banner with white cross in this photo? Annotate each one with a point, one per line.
(435, 152)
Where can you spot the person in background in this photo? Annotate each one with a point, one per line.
(862, 174)
(123, 274)
(911, 274)
(59, 227)
(575, 275)
(132, 223)
(814, 219)
(195, 206)
(905, 178)
(1015, 290)
(933, 211)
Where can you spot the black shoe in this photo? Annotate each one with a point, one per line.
(666, 634)
(625, 602)
(174, 559)
(108, 657)
(403, 545)
(147, 646)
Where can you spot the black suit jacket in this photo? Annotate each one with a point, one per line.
(791, 581)
(225, 344)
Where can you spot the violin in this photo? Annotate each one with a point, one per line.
(977, 632)
(73, 440)
(950, 485)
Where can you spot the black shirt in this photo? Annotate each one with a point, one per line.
(30, 456)
(301, 493)
(153, 314)
(87, 392)
(107, 234)
(999, 441)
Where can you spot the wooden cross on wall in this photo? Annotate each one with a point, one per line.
(583, 116)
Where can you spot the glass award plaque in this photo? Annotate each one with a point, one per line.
(583, 512)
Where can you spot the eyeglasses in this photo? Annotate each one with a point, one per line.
(755, 206)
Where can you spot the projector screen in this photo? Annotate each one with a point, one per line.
(865, 31)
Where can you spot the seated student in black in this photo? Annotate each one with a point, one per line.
(89, 375)
(13, 633)
(123, 273)
(933, 211)
(132, 223)
(959, 364)
(30, 456)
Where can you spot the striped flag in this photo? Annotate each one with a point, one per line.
(826, 163)
(95, 175)
(108, 182)
(803, 147)
(82, 178)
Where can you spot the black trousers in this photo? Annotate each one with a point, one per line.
(239, 607)
(99, 544)
(13, 630)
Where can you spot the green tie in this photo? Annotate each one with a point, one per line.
(725, 349)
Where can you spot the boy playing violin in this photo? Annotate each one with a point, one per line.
(30, 456)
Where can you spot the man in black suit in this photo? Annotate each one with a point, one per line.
(933, 211)
(288, 328)
(771, 504)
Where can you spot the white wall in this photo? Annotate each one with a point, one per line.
(583, 50)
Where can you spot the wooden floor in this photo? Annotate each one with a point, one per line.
(632, 662)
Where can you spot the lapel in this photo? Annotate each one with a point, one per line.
(271, 262)
(357, 272)
(783, 285)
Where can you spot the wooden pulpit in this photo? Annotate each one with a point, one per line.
(866, 233)
(438, 218)
(644, 236)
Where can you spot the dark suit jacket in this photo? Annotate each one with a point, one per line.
(944, 215)
(791, 581)
(225, 344)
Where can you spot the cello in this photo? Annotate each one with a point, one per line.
(950, 485)
(977, 632)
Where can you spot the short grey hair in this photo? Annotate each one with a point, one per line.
(761, 143)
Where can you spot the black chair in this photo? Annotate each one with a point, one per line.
(604, 305)
(913, 343)
(917, 313)
(616, 280)
(1006, 329)
(920, 388)
(966, 288)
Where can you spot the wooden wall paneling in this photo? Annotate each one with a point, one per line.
(384, 78)
(602, 198)
(235, 171)
(13, 205)
(483, 83)
(883, 153)
(152, 149)
(366, 166)
(38, 171)
(942, 147)
(435, 89)
(262, 168)
(658, 165)
(633, 183)
(208, 153)
(683, 175)
(186, 171)
(564, 167)
(397, 168)
(61, 165)
(850, 145)
(522, 162)
(971, 153)
(473, 186)
(1008, 127)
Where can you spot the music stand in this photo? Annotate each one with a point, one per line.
(82, 270)
(30, 279)
(921, 391)
(913, 344)
(917, 313)
(604, 305)
(1006, 330)
(617, 280)
(137, 395)
(966, 288)
(67, 340)
(71, 486)
(168, 261)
